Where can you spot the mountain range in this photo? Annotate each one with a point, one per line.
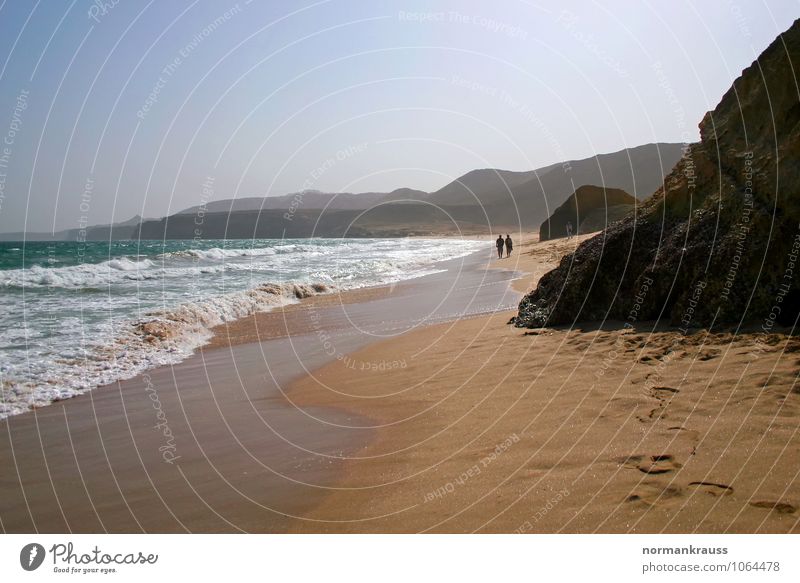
(480, 201)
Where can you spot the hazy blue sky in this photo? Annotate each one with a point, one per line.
(116, 109)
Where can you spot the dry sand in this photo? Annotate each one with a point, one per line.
(595, 429)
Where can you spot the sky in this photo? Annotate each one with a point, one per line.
(116, 108)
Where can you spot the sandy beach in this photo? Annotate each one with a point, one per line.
(214, 443)
(416, 408)
(592, 429)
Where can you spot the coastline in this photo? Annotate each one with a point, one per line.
(416, 408)
(212, 444)
(581, 430)
(161, 301)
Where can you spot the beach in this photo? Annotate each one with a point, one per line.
(213, 443)
(573, 430)
(415, 407)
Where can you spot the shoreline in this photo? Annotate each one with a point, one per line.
(142, 325)
(416, 408)
(212, 444)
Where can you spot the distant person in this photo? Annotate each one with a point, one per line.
(569, 229)
(500, 243)
(509, 245)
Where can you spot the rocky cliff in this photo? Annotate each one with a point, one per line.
(719, 242)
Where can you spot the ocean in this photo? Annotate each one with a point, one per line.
(75, 316)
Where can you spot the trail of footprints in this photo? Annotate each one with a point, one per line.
(663, 396)
(654, 492)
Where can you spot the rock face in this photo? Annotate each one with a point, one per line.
(720, 241)
(589, 208)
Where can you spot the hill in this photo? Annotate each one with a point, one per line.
(308, 199)
(638, 170)
(115, 231)
(393, 219)
(720, 241)
(525, 199)
(590, 208)
(480, 201)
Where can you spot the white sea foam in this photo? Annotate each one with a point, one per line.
(218, 254)
(159, 338)
(76, 276)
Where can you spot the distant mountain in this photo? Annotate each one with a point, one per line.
(481, 201)
(403, 194)
(590, 208)
(525, 199)
(115, 231)
(719, 242)
(484, 187)
(487, 198)
(638, 170)
(308, 199)
(392, 219)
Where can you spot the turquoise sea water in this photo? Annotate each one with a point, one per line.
(74, 316)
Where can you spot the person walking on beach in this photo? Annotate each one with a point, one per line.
(499, 244)
(569, 229)
(509, 245)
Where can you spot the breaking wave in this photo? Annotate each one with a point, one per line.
(160, 338)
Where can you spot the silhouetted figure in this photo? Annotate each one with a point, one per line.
(509, 245)
(499, 244)
(569, 229)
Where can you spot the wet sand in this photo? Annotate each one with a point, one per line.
(213, 444)
(593, 429)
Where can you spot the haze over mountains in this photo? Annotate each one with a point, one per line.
(480, 201)
(308, 199)
(115, 231)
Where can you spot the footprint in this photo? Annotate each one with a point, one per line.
(653, 356)
(663, 395)
(530, 332)
(651, 464)
(713, 488)
(658, 464)
(776, 505)
(709, 354)
(630, 461)
(654, 494)
(693, 433)
(792, 347)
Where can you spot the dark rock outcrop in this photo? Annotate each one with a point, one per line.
(719, 242)
(590, 208)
